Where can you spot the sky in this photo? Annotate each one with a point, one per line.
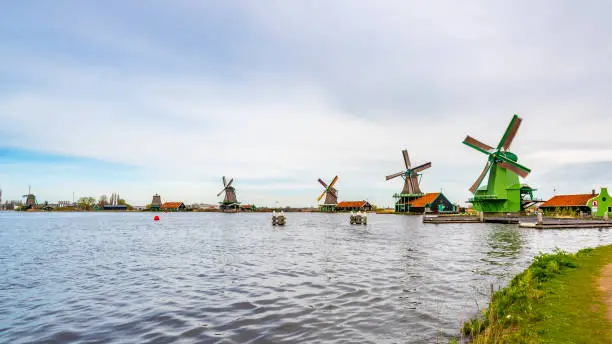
(145, 97)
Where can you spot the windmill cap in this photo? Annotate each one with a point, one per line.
(510, 156)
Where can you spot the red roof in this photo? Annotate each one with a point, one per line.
(351, 204)
(171, 205)
(421, 202)
(568, 200)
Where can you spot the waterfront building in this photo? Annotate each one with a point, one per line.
(354, 206)
(434, 202)
(591, 203)
(173, 206)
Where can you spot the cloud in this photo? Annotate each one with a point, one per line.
(278, 95)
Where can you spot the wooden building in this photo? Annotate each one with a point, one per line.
(601, 203)
(114, 207)
(574, 204)
(434, 202)
(173, 206)
(247, 207)
(354, 206)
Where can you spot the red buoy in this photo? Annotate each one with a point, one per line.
(156, 218)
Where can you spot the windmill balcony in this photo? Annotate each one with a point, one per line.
(408, 195)
(486, 197)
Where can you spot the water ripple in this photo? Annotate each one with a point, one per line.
(219, 278)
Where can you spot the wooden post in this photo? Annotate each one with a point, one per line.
(481, 216)
(540, 220)
(606, 216)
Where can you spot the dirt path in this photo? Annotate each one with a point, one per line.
(605, 284)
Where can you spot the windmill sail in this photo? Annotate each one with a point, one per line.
(499, 157)
(410, 175)
(330, 193)
(230, 192)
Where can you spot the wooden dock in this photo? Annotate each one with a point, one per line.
(450, 219)
(522, 221)
(469, 219)
(566, 223)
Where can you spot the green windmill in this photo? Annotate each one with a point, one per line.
(503, 192)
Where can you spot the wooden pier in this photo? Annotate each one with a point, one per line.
(469, 219)
(523, 221)
(566, 223)
(450, 219)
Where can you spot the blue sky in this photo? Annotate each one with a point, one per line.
(142, 97)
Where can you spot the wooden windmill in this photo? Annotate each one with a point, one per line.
(331, 196)
(503, 192)
(30, 200)
(230, 203)
(412, 178)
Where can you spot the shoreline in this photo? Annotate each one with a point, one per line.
(561, 296)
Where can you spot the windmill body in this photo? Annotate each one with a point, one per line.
(230, 202)
(230, 196)
(412, 179)
(503, 192)
(156, 203)
(331, 196)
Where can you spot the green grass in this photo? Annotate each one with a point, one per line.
(555, 300)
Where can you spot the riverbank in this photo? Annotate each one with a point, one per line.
(560, 298)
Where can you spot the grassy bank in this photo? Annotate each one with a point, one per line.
(556, 300)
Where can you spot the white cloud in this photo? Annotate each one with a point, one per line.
(296, 91)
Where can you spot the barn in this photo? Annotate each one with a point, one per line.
(568, 204)
(434, 202)
(354, 206)
(173, 206)
(593, 203)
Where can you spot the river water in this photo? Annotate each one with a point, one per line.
(233, 278)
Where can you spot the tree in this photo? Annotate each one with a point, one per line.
(86, 203)
(103, 200)
(121, 201)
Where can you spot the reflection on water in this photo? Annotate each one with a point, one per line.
(234, 278)
(505, 243)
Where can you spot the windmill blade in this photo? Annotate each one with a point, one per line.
(510, 133)
(478, 181)
(524, 170)
(477, 145)
(230, 183)
(394, 175)
(219, 194)
(322, 183)
(322, 194)
(331, 185)
(406, 158)
(224, 182)
(516, 169)
(421, 167)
